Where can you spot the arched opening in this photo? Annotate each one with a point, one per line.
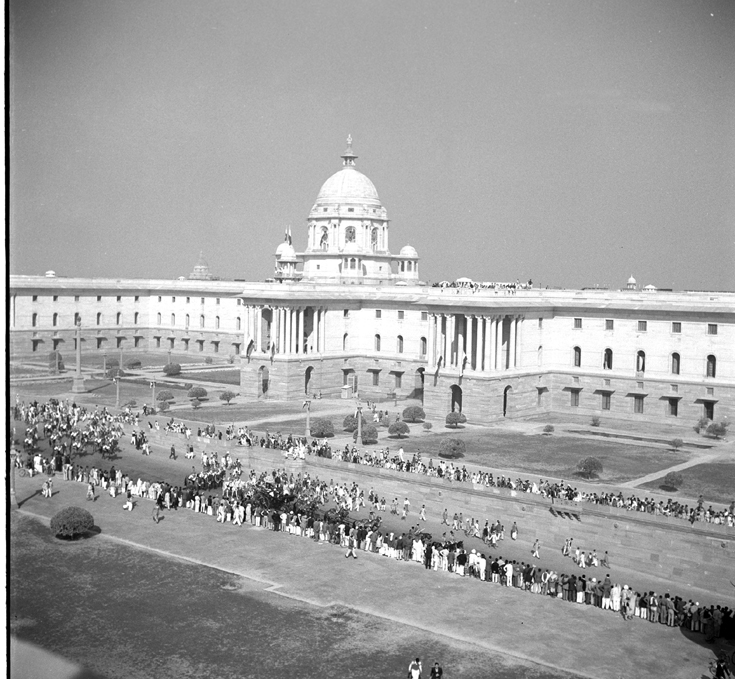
(640, 361)
(711, 366)
(399, 344)
(577, 357)
(506, 399)
(422, 347)
(456, 398)
(540, 357)
(418, 385)
(263, 381)
(675, 363)
(345, 337)
(377, 342)
(607, 360)
(308, 375)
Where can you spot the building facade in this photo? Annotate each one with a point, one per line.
(347, 318)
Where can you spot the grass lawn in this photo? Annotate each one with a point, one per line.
(220, 376)
(716, 481)
(131, 614)
(554, 455)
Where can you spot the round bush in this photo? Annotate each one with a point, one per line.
(133, 364)
(227, 396)
(164, 395)
(398, 429)
(196, 403)
(427, 426)
(171, 369)
(163, 406)
(369, 435)
(197, 392)
(209, 360)
(549, 429)
(673, 480)
(71, 522)
(454, 418)
(451, 448)
(350, 423)
(115, 372)
(322, 428)
(589, 467)
(413, 414)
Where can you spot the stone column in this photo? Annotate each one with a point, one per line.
(299, 330)
(511, 363)
(492, 344)
(481, 364)
(430, 341)
(519, 340)
(258, 329)
(468, 340)
(323, 326)
(452, 331)
(288, 328)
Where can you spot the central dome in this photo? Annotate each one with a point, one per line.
(348, 186)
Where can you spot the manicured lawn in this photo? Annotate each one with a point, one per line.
(220, 376)
(131, 614)
(716, 481)
(554, 455)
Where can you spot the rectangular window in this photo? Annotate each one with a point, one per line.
(676, 327)
(160, 298)
(173, 299)
(188, 299)
(99, 298)
(642, 326)
(424, 315)
(401, 316)
(76, 299)
(203, 300)
(674, 388)
(578, 323)
(378, 313)
(376, 378)
(638, 404)
(609, 324)
(119, 298)
(158, 342)
(216, 301)
(35, 298)
(346, 313)
(137, 298)
(136, 341)
(605, 405)
(398, 380)
(574, 398)
(540, 323)
(712, 328)
(55, 298)
(216, 347)
(674, 407)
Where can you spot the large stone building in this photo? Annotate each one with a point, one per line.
(346, 317)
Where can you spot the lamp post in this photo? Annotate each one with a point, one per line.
(359, 422)
(153, 390)
(307, 405)
(77, 386)
(104, 363)
(13, 498)
(116, 380)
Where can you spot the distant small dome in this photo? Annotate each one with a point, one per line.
(201, 270)
(285, 250)
(408, 251)
(631, 281)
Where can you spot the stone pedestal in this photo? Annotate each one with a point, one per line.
(77, 386)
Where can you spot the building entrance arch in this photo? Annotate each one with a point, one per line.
(456, 398)
(418, 384)
(308, 380)
(507, 392)
(263, 381)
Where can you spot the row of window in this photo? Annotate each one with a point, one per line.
(401, 314)
(187, 321)
(378, 342)
(56, 318)
(638, 405)
(55, 298)
(640, 361)
(642, 326)
(200, 344)
(201, 300)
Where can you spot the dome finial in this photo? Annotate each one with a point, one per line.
(348, 157)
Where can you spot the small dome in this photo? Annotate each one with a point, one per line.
(631, 281)
(348, 186)
(285, 250)
(408, 251)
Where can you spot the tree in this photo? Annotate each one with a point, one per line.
(171, 369)
(451, 448)
(673, 480)
(453, 419)
(398, 429)
(163, 406)
(595, 421)
(164, 395)
(197, 392)
(589, 467)
(717, 429)
(115, 372)
(676, 444)
(72, 522)
(196, 403)
(322, 428)
(227, 396)
(549, 429)
(369, 435)
(702, 423)
(427, 426)
(350, 423)
(413, 414)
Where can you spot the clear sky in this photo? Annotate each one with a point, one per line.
(571, 142)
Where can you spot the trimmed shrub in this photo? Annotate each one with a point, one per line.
(589, 467)
(164, 395)
(427, 426)
(196, 403)
(322, 428)
(71, 522)
(369, 435)
(188, 385)
(112, 362)
(209, 360)
(385, 422)
(413, 414)
(115, 372)
(133, 364)
(549, 429)
(673, 480)
(677, 443)
(172, 369)
(350, 423)
(451, 448)
(595, 421)
(197, 392)
(453, 419)
(163, 406)
(227, 396)
(52, 360)
(717, 429)
(398, 429)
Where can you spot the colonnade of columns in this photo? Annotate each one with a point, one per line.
(286, 330)
(475, 343)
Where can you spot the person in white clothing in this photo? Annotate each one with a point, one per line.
(415, 669)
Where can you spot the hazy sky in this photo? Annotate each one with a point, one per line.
(571, 142)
